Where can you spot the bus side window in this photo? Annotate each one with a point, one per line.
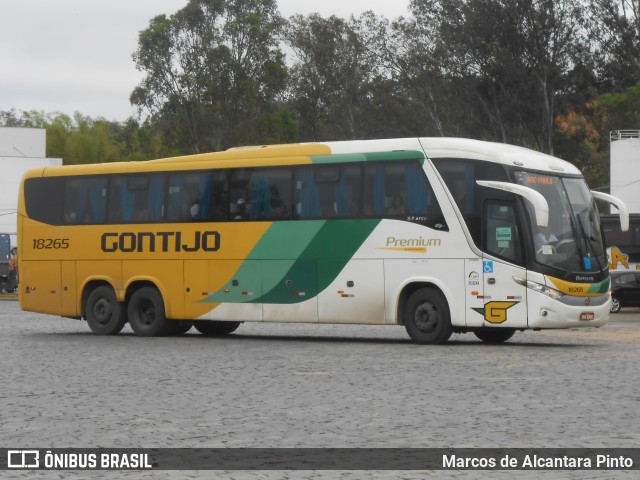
(260, 194)
(271, 194)
(85, 200)
(347, 192)
(327, 191)
(460, 176)
(136, 198)
(327, 178)
(239, 193)
(375, 186)
(307, 197)
(398, 191)
(216, 194)
(155, 198)
(197, 196)
(44, 199)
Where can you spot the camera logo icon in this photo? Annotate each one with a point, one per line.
(23, 459)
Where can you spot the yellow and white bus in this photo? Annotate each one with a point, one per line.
(439, 235)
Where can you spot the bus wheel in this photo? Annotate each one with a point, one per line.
(495, 335)
(615, 305)
(215, 328)
(105, 315)
(427, 317)
(146, 313)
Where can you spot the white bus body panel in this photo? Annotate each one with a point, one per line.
(356, 295)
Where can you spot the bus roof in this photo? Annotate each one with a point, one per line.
(436, 147)
(441, 147)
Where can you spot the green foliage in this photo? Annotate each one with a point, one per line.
(81, 140)
(213, 72)
(331, 78)
(615, 109)
(584, 137)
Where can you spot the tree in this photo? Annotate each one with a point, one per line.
(614, 25)
(587, 135)
(331, 76)
(512, 57)
(81, 139)
(213, 72)
(423, 97)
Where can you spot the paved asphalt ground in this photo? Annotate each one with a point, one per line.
(316, 386)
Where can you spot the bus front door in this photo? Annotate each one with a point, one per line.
(505, 302)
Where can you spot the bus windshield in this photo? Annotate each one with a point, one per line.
(572, 241)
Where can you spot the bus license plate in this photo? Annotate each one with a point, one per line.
(586, 316)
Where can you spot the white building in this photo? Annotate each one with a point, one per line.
(625, 167)
(20, 150)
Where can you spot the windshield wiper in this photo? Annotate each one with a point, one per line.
(589, 243)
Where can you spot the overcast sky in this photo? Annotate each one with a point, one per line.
(75, 55)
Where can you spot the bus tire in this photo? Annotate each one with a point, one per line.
(104, 314)
(615, 305)
(215, 328)
(146, 313)
(494, 335)
(427, 318)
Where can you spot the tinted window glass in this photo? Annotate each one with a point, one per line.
(85, 200)
(399, 190)
(328, 191)
(460, 176)
(136, 198)
(44, 198)
(502, 233)
(197, 196)
(260, 194)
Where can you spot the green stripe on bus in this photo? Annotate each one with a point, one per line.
(601, 287)
(368, 157)
(335, 244)
(280, 246)
(286, 259)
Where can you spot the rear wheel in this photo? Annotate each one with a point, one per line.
(615, 305)
(104, 314)
(427, 318)
(146, 313)
(495, 335)
(215, 328)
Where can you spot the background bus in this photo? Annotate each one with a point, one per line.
(438, 235)
(623, 248)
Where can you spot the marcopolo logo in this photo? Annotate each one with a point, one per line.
(208, 241)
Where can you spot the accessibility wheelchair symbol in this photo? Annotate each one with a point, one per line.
(487, 266)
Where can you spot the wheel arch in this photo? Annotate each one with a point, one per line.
(89, 287)
(414, 285)
(136, 285)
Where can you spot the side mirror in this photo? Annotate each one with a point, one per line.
(619, 204)
(536, 199)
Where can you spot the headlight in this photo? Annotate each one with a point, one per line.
(548, 291)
